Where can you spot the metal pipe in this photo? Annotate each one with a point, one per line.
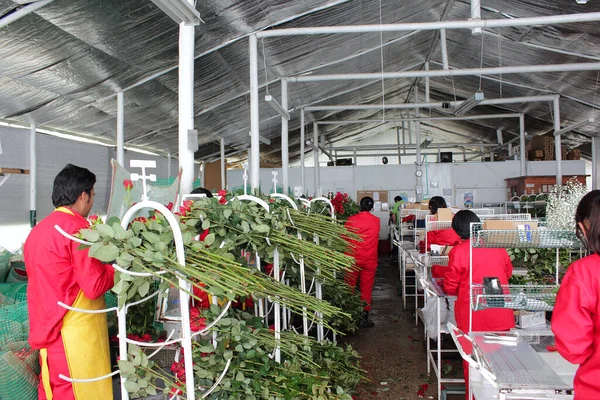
(399, 148)
(427, 83)
(452, 72)
(254, 116)
(302, 142)
(168, 165)
(509, 144)
(522, 157)
(407, 146)
(421, 26)
(390, 154)
(23, 11)
(557, 142)
(223, 163)
(355, 157)
(284, 138)
(418, 172)
(120, 128)
(439, 154)
(403, 136)
(316, 157)
(594, 163)
(444, 50)
(475, 14)
(486, 102)
(32, 176)
(448, 118)
(186, 109)
(499, 136)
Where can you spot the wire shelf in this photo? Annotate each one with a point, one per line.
(482, 211)
(515, 297)
(506, 217)
(438, 225)
(439, 260)
(540, 238)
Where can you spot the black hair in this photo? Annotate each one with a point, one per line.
(397, 199)
(70, 183)
(589, 209)
(461, 223)
(436, 202)
(201, 190)
(366, 203)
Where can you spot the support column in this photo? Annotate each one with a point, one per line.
(522, 158)
(121, 129)
(168, 165)
(557, 141)
(355, 157)
(316, 157)
(284, 138)
(186, 106)
(302, 143)
(427, 83)
(398, 142)
(404, 136)
(595, 143)
(223, 163)
(418, 172)
(475, 14)
(32, 176)
(254, 162)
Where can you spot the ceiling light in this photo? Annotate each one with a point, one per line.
(581, 1)
(277, 107)
(179, 11)
(426, 142)
(573, 127)
(469, 103)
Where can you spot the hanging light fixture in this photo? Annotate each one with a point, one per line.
(179, 11)
(469, 103)
(581, 1)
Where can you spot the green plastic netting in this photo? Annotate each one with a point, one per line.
(14, 310)
(19, 369)
(5, 256)
(122, 199)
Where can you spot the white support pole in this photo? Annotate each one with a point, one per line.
(316, 157)
(499, 136)
(302, 142)
(168, 164)
(418, 172)
(121, 128)
(427, 83)
(404, 135)
(594, 163)
(398, 141)
(32, 176)
(475, 14)
(186, 105)
(557, 142)
(223, 163)
(284, 138)
(444, 49)
(522, 158)
(254, 162)
(510, 150)
(355, 157)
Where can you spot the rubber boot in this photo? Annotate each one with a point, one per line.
(365, 323)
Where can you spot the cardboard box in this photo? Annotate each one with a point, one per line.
(574, 154)
(519, 232)
(425, 205)
(528, 319)
(444, 214)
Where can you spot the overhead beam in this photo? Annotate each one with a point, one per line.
(420, 119)
(23, 11)
(429, 26)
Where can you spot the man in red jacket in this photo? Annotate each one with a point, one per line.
(71, 343)
(365, 253)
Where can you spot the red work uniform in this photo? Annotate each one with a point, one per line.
(576, 324)
(58, 271)
(486, 263)
(365, 253)
(441, 237)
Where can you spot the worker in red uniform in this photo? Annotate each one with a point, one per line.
(576, 316)
(491, 263)
(73, 344)
(365, 254)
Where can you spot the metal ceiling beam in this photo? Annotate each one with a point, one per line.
(448, 118)
(441, 104)
(404, 146)
(522, 69)
(423, 26)
(23, 11)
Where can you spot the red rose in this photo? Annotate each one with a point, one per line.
(222, 192)
(114, 339)
(222, 200)
(198, 324)
(127, 184)
(170, 206)
(93, 218)
(146, 337)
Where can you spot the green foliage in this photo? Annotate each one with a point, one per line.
(539, 263)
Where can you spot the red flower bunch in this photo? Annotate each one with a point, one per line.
(185, 208)
(343, 205)
(338, 202)
(146, 337)
(170, 206)
(422, 389)
(197, 323)
(127, 184)
(222, 196)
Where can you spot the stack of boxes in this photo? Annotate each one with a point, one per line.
(541, 148)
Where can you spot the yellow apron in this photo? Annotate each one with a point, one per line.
(85, 339)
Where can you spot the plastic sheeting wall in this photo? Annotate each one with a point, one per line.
(53, 154)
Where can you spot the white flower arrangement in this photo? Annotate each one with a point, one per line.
(562, 204)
